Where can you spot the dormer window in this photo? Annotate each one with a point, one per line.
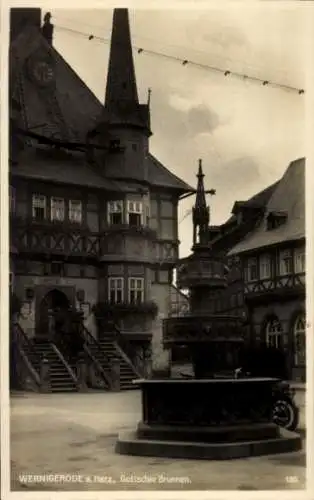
(135, 213)
(275, 220)
(115, 212)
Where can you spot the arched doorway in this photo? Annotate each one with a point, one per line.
(299, 341)
(53, 307)
(274, 333)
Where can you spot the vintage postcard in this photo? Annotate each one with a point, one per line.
(156, 301)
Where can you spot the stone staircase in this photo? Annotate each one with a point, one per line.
(127, 373)
(62, 375)
(105, 350)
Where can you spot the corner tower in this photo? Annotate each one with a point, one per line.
(125, 123)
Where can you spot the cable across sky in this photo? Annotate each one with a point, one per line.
(227, 73)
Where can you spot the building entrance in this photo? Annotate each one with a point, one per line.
(53, 311)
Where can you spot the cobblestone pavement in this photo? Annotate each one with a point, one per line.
(75, 434)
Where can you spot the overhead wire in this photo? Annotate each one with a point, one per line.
(226, 72)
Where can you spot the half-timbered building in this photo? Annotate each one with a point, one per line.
(273, 263)
(93, 213)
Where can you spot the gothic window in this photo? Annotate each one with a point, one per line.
(265, 267)
(57, 209)
(115, 212)
(11, 199)
(299, 341)
(75, 211)
(251, 270)
(116, 290)
(285, 262)
(274, 333)
(299, 260)
(39, 207)
(135, 213)
(136, 290)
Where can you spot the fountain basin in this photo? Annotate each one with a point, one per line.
(207, 419)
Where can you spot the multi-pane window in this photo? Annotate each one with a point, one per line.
(274, 335)
(39, 207)
(299, 260)
(75, 211)
(11, 199)
(135, 213)
(116, 290)
(57, 209)
(285, 262)
(136, 290)
(115, 212)
(251, 269)
(299, 341)
(264, 267)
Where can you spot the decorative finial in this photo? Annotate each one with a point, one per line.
(47, 18)
(47, 28)
(200, 169)
(149, 95)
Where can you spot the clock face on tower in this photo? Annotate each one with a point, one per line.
(42, 72)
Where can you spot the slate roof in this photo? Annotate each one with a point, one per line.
(79, 106)
(60, 167)
(260, 199)
(289, 197)
(160, 176)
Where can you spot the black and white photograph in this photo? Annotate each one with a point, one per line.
(155, 176)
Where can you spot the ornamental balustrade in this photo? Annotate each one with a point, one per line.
(69, 240)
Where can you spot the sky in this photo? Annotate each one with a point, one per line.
(246, 134)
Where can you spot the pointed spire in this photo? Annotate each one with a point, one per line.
(121, 81)
(200, 201)
(200, 211)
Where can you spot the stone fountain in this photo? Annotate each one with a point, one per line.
(213, 415)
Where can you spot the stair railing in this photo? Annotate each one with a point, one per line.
(90, 340)
(125, 349)
(98, 366)
(66, 364)
(21, 339)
